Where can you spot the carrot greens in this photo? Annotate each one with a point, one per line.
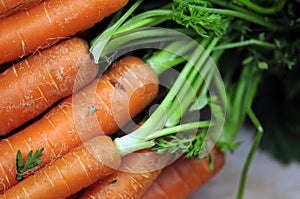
(32, 161)
(219, 27)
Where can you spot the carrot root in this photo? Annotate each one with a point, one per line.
(194, 173)
(81, 167)
(49, 22)
(30, 87)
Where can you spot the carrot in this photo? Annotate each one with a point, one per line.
(31, 86)
(79, 168)
(8, 7)
(137, 172)
(99, 108)
(184, 176)
(142, 171)
(49, 22)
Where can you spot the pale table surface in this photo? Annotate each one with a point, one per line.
(267, 178)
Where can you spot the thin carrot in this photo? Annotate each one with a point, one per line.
(33, 85)
(81, 167)
(8, 7)
(49, 22)
(137, 172)
(184, 176)
(99, 108)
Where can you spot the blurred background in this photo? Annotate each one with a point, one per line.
(268, 177)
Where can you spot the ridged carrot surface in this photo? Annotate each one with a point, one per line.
(48, 22)
(33, 85)
(102, 107)
(183, 177)
(8, 7)
(81, 167)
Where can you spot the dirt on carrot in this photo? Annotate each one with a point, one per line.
(47, 23)
(33, 85)
(100, 108)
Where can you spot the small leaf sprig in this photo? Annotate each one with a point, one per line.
(191, 145)
(31, 163)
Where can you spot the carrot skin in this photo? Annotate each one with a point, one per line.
(8, 7)
(137, 172)
(184, 176)
(47, 23)
(81, 167)
(30, 87)
(71, 122)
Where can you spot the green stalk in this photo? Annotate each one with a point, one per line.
(155, 17)
(238, 103)
(229, 5)
(159, 117)
(144, 37)
(178, 128)
(187, 93)
(138, 143)
(256, 19)
(246, 43)
(100, 41)
(277, 6)
(202, 97)
(250, 156)
(165, 105)
(164, 59)
(146, 19)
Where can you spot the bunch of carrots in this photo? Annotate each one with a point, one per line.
(69, 110)
(57, 113)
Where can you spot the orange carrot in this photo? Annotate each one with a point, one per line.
(184, 176)
(101, 107)
(49, 22)
(137, 172)
(79, 168)
(31, 86)
(8, 7)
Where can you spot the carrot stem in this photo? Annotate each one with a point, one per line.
(251, 153)
(164, 59)
(187, 92)
(165, 105)
(277, 6)
(158, 119)
(178, 128)
(141, 37)
(249, 42)
(146, 19)
(131, 143)
(239, 102)
(100, 41)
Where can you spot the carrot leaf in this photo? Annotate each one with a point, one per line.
(190, 144)
(32, 161)
(194, 14)
(19, 159)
